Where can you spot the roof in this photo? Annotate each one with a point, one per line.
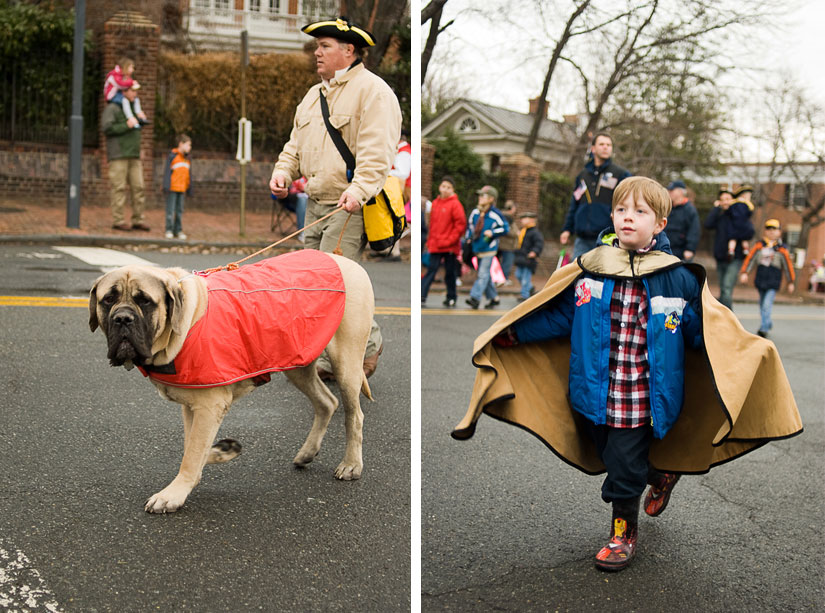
(507, 121)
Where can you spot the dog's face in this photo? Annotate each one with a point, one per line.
(137, 307)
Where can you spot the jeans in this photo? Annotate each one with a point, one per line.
(300, 209)
(582, 246)
(525, 279)
(174, 212)
(435, 260)
(484, 284)
(766, 297)
(506, 258)
(728, 275)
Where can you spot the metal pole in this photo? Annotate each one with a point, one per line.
(76, 119)
(244, 62)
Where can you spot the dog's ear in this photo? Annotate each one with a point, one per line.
(93, 322)
(174, 306)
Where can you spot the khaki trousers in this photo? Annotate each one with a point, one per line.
(324, 237)
(124, 176)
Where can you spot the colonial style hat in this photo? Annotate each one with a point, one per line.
(742, 190)
(342, 30)
(528, 214)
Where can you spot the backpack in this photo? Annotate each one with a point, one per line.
(384, 216)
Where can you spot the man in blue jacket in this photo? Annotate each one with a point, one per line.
(589, 211)
(484, 227)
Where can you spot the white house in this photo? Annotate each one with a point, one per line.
(271, 25)
(494, 133)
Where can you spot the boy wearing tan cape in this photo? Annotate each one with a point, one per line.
(615, 336)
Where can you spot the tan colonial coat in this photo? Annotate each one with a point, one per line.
(737, 396)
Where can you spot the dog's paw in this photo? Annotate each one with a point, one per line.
(223, 451)
(168, 500)
(304, 457)
(348, 471)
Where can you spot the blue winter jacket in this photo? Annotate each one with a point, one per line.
(494, 220)
(582, 312)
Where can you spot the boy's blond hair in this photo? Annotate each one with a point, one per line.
(652, 192)
(124, 62)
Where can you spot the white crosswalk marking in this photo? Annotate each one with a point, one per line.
(21, 586)
(105, 259)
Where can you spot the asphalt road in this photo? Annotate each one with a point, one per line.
(506, 526)
(82, 445)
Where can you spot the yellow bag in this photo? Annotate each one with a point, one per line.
(384, 216)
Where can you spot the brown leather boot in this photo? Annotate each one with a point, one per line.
(371, 362)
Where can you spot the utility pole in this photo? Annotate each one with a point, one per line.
(244, 130)
(76, 119)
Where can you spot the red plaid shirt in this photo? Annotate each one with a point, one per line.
(628, 394)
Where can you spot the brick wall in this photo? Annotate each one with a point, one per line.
(427, 158)
(41, 173)
(523, 181)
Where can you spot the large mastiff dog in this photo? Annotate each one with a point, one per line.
(147, 315)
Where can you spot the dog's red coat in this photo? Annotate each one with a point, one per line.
(271, 316)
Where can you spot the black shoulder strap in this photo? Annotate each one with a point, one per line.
(336, 137)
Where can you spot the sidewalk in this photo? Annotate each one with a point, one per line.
(29, 222)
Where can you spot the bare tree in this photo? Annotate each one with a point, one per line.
(793, 133)
(566, 35)
(651, 36)
(432, 13)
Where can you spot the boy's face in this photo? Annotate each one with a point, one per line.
(772, 234)
(635, 223)
(446, 189)
(185, 147)
(485, 201)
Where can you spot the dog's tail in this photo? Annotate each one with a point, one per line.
(365, 387)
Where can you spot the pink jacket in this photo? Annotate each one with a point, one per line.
(116, 81)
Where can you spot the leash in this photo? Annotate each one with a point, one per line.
(235, 265)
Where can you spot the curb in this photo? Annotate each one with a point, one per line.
(102, 240)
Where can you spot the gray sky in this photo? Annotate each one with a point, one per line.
(488, 63)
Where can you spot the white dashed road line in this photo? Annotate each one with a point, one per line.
(105, 259)
(21, 586)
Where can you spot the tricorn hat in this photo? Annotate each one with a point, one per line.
(342, 30)
(744, 188)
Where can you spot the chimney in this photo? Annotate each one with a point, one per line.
(534, 104)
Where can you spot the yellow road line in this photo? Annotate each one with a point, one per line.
(69, 302)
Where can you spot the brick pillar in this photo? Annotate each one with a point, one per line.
(427, 159)
(523, 181)
(131, 34)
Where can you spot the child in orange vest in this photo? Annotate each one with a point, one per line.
(176, 184)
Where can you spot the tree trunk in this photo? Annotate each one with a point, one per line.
(538, 118)
(435, 23)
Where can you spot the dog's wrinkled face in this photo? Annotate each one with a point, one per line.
(133, 306)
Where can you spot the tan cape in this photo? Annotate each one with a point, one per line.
(737, 396)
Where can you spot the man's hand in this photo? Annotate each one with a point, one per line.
(132, 122)
(743, 278)
(565, 236)
(278, 186)
(348, 202)
(791, 288)
(688, 254)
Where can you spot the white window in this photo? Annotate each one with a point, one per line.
(798, 196)
(468, 124)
